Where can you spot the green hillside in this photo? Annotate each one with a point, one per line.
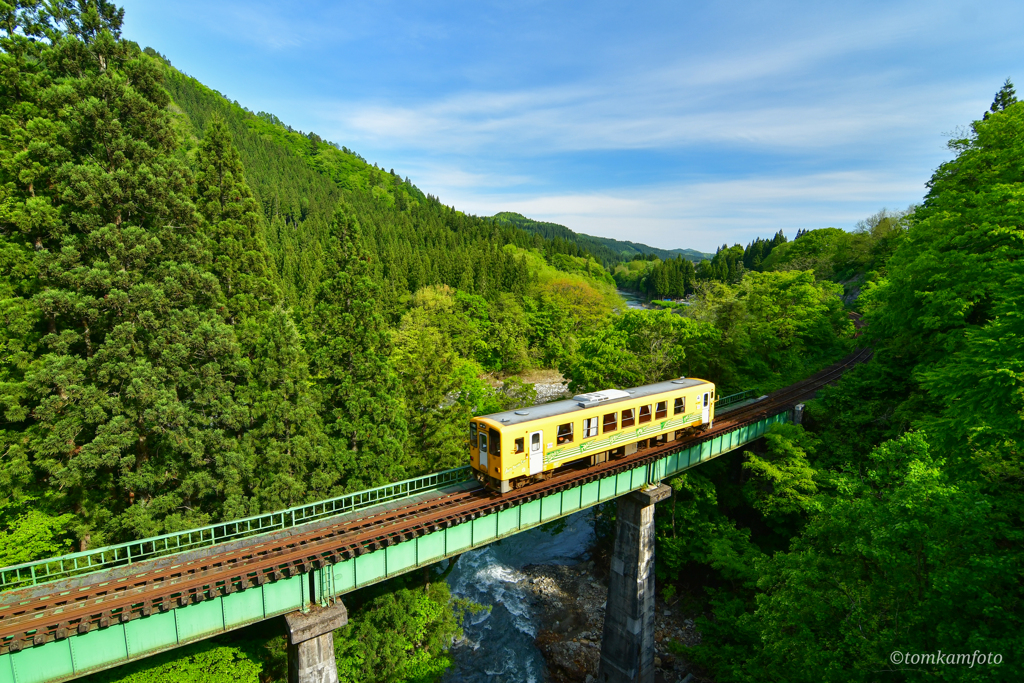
(609, 251)
(299, 178)
(205, 314)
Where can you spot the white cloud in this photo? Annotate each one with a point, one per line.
(651, 115)
(706, 214)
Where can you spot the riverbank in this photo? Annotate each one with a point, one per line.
(569, 604)
(547, 589)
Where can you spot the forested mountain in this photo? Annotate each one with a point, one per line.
(677, 277)
(607, 250)
(204, 309)
(207, 314)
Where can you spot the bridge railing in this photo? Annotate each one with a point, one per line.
(734, 398)
(42, 571)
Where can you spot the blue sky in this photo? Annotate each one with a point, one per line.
(677, 124)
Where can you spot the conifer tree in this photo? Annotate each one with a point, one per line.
(120, 407)
(1006, 96)
(240, 258)
(281, 440)
(364, 409)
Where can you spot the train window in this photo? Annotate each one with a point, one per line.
(645, 414)
(628, 417)
(495, 441)
(660, 410)
(680, 406)
(472, 433)
(611, 422)
(483, 443)
(590, 428)
(520, 445)
(705, 400)
(565, 433)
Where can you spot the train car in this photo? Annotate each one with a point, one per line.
(510, 449)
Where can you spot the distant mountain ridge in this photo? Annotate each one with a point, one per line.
(604, 249)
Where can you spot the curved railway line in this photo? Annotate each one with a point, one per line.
(41, 613)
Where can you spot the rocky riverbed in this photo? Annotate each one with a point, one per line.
(568, 605)
(547, 591)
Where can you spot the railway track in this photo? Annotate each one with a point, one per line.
(37, 614)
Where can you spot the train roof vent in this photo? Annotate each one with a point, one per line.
(522, 412)
(681, 380)
(596, 397)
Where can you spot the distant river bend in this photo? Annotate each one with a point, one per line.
(632, 300)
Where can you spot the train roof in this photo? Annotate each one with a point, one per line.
(586, 401)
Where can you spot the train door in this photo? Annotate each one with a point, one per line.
(706, 410)
(483, 450)
(536, 452)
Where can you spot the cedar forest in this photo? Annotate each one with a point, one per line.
(207, 314)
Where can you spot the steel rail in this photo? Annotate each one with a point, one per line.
(39, 614)
(42, 571)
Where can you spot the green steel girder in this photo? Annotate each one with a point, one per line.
(77, 655)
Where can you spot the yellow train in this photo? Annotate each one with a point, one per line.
(510, 449)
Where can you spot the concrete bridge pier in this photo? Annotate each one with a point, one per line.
(311, 643)
(627, 645)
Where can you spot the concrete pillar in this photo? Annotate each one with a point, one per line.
(798, 414)
(627, 645)
(311, 643)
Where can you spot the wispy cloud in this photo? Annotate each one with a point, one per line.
(650, 114)
(706, 214)
(679, 125)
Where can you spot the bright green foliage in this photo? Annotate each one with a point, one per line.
(28, 533)
(774, 327)
(693, 534)
(790, 320)
(566, 310)
(900, 560)
(673, 278)
(768, 331)
(639, 347)
(442, 388)
(677, 277)
(362, 394)
(401, 636)
(205, 662)
(816, 250)
(911, 544)
(839, 255)
(19, 341)
(949, 313)
(606, 250)
(781, 483)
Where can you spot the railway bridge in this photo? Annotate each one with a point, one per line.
(68, 616)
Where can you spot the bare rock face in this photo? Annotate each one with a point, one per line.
(569, 604)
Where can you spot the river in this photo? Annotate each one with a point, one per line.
(633, 300)
(499, 645)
